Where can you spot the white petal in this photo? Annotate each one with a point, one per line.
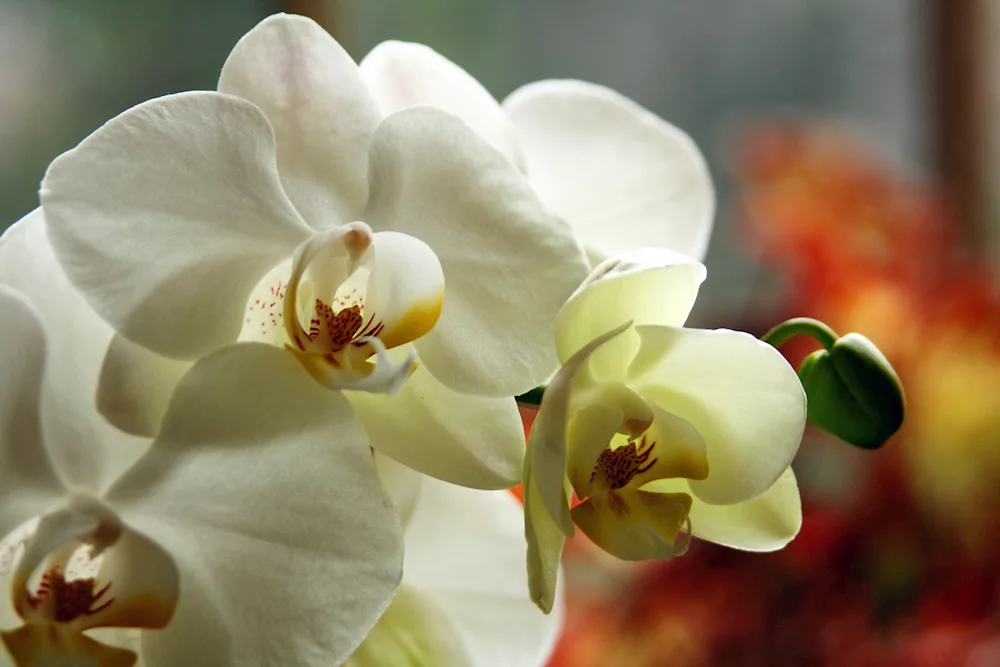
(465, 549)
(262, 487)
(135, 386)
(473, 441)
(413, 632)
(739, 393)
(403, 74)
(168, 215)
(647, 286)
(28, 481)
(622, 177)
(403, 485)
(766, 523)
(88, 452)
(322, 113)
(545, 545)
(508, 264)
(406, 289)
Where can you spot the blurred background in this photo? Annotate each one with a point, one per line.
(856, 163)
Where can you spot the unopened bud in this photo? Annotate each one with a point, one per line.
(853, 392)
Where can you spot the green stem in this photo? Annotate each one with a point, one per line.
(533, 397)
(801, 325)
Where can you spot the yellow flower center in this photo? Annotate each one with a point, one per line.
(617, 467)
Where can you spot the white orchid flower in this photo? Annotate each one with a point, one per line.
(249, 532)
(463, 601)
(622, 177)
(287, 209)
(658, 429)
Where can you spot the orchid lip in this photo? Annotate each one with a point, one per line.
(345, 297)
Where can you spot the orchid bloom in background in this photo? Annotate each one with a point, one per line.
(463, 601)
(288, 209)
(245, 511)
(622, 177)
(657, 428)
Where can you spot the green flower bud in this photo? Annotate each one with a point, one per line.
(853, 392)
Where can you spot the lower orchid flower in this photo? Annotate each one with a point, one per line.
(248, 533)
(662, 431)
(463, 601)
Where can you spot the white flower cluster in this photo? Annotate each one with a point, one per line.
(258, 353)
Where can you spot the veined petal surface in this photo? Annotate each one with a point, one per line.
(402, 75)
(646, 286)
(322, 113)
(465, 550)
(508, 263)
(621, 176)
(29, 484)
(89, 453)
(135, 386)
(766, 523)
(262, 487)
(738, 392)
(168, 215)
(413, 632)
(472, 441)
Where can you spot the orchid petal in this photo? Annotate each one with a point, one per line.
(135, 387)
(401, 75)
(633, 524)
(87, 451)
(647, 286)
(676, 449)
(545, 545)
(262, 488)
(622, 177)
(322, 113)
(508, 264)
(168, 215)
(547, 442)
(547, 518)
(466, 550)
(406, 289)
(403, 484)
(144, 582)
(739, 393)
(387, 375)
(54, 646)
(472, 441)
(412, 632)
(766, 523)
(29, 484)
